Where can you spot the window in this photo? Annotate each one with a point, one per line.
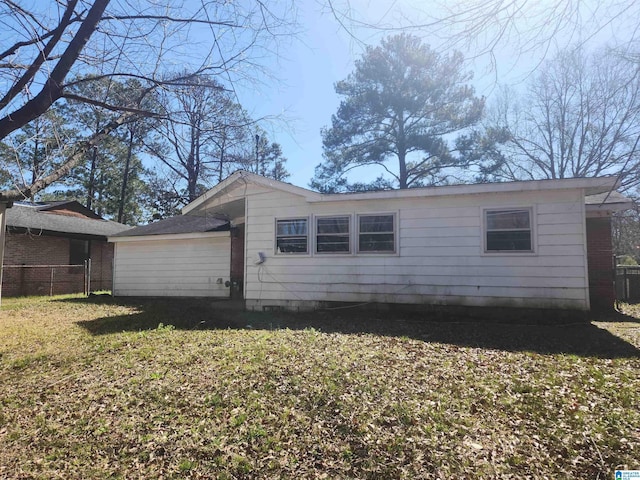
(332, 234)
(78, 251)
(508, 230)
(376, 233)
(292, 235)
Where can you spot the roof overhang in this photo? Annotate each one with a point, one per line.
(171, 236)
(605, 204)
(241, 177)
(589, 186)
(41, 232)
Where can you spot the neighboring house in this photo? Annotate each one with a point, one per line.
(43, 237)
(533, 244)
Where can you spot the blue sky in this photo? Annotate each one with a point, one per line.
(301, 93)
(301, 89)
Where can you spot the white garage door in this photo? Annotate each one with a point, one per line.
(191, 267)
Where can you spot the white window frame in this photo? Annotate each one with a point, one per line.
(349, 233)
(275, 240)
(395, 233)
(532, 230)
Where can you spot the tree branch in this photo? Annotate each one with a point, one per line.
(107, 106)
(52, 89)
(77, 155)
(41, 58)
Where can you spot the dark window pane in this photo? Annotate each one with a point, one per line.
(332, 243)
(376, 242)
(292, 245)
(516, 240)
(292, 227)
(376, 223)
(333, 225)
(78, 251)
(507, 219)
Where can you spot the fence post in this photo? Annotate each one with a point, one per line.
(626, 285)
(88, 277)
(51, 284)
(3, 223)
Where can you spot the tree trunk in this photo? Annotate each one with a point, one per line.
(224, 141)
(193, 164)
(52, 89)
(36, 163)
(402, 153)
(125, 176)
(92, 177)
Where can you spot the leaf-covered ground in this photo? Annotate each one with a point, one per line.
(101, 389)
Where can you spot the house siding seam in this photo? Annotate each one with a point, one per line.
(440, 258)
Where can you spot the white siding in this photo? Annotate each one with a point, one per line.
(173, 267)
(440, 257)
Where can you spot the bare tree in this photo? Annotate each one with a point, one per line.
(203, 125)
(626, 233)
(45, 44)
(580, 117)
(36, 149)
(530, 29)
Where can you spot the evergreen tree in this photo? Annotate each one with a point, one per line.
(401, 104)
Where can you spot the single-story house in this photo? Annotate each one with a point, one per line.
(531, 244)
(43, 237)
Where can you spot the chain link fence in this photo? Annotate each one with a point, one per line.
(23, 280)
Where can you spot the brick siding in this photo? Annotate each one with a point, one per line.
(101, 265)
(30, 249)
(600, 260)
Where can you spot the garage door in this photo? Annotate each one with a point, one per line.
(192, 267)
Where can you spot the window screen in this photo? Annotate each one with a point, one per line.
(332, 235)
(508, 230)
(292, 235)
(376, 233)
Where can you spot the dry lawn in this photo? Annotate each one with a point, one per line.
(94, 388)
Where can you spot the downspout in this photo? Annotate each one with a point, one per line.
(583, 210)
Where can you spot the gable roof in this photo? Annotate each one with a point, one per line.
(591, 186)
(179, 224)
(60, 218)
(69, 207)
(242, 176)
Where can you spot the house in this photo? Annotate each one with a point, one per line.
(533, 244)
(43, 240)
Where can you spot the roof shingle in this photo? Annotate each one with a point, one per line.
(179, 224)
(36, 217)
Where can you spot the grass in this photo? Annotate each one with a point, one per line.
(95, 388)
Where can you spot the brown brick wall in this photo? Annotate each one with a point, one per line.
(29, 249)
(600, 261)
(101, 265)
